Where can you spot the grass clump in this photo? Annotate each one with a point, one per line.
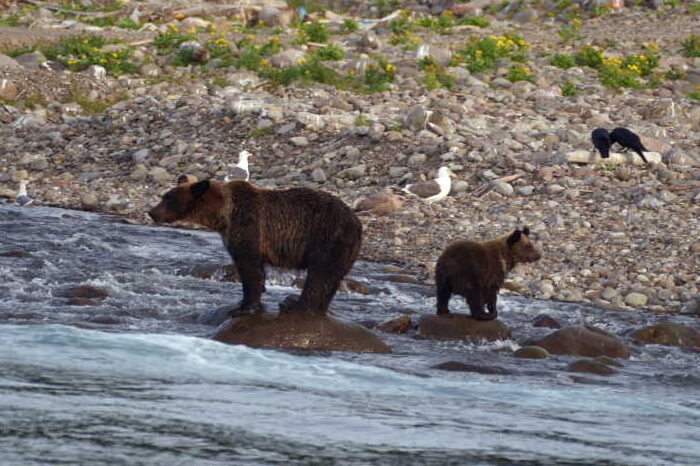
(563, 61)
(519, 72)
(478, 21)
(691, 46)
(568, 89)
(78, 53)
(626, 71)
(11, 20)
(441, 24)
(166, 42)
(312, 32)
(435, 74)
(481, 54)
(330, 52)
(349, 26)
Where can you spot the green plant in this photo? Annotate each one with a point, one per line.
(694, 95)
(568, 89)
(330, 52)
(128, 23)
(312, 32)
(617, 77)
(691, 46)
(349, 26)
(384, 7)
(478, 21)
(77, 53)
(379, 74)
(571, 31)
(259, 132)
(94, 106)
(675, 73)
(166, 42)
(435, 74)
(589, 56)
(519, 73)
(361, 120)
(441, 24)
(482, 54)
(11, 20)
(562, 60)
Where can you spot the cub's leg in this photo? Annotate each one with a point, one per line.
(251, 270)
(444, 293)
(491, 299)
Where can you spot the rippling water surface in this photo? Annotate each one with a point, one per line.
(134, 380)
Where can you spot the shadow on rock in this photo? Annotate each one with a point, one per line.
(299, 331)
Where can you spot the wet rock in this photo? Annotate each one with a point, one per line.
(350, 285)
(81, 292)
(461, 327)
(216, 317)
(544, 320)
(667, 333)
(590, 366)
(400, 278)
(299, 331)
(584, 341)
(456, 366)
(222, 273)
(89, 202)
(16, 254)
(531, 352)
(399, 325)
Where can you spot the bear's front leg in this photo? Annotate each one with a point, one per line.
(475, 300)
(491, 299)
(252, 273)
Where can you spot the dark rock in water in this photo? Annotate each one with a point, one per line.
(400, 278)
(590, 366)
(81, 292)
(105, 319)
(350, 285)
(82, 302)
(531, 352)
(584, 341)
(17, 254)
(667, 333)
(608, 361)
(299, 331)
(544, 320)
(457, 366)
(399, 325)
(224, 273)
(461, 327)
(216, 316)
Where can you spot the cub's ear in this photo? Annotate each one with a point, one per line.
(182, 179)
(514, 237)
(199, 189)
(526, 230)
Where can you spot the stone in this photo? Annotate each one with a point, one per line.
(461, 327)
(318, 175)
(353, 173)
(417, 118)
(300, 141)
(616, 158)
(531, 352)
(584, 341)
(399, 325)
(299, 331)
(287, 58)
(458, 186)
(525, 15)
(273, 17)
(195, 51)
(546, 321)
(89, 202)
(31, 60)
(667, 333)
(456, 366)
(150, 70)
(350, 285)
(8, 62)
(635, 299)
(96, 72)
(81, 292)
(159, 174)
(590, 366)
(503, 188)
(8, 90)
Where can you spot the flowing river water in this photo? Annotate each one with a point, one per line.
(134, 379)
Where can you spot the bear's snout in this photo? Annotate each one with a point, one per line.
(153, 213)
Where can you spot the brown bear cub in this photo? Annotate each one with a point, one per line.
(295, 228)
(477, 270)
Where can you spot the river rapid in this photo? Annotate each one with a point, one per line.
(134, 379)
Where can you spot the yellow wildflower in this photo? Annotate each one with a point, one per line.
(389, 67)
(301, 61)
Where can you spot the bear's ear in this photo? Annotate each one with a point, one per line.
(182, 179)
(514, 237)
(199, 189)
(526, 230)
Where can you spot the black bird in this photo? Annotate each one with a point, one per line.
(628, 140)
(601, 141)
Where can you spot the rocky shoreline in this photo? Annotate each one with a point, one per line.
(625, 236)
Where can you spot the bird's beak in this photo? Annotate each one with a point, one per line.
(453, 176)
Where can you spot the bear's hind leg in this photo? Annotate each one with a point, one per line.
(475, 300)
(319, 288)
(444, 293)
(491, 300)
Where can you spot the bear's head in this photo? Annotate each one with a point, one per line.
(521, 248)
(197, 202)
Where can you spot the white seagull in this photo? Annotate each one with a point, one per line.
(240, 170)
(433, 190)
(22, 199)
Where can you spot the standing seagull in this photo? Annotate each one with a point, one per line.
(628, 140)
(22, 199)
(240, 170)
(433, 190)
(601, 141)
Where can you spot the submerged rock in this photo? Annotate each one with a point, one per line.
(299, 331)
(547, 321)
(591, 366)
(80, 292)
(399, 325)
(456, 366)
(531, 352)
(667, 333)
(461, 327)
(584, 341)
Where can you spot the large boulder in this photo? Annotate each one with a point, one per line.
(667, 333)
(299, 331)
(584, 341)
(461, 327)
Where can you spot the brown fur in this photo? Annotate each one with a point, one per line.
(295, 228)
(477, 270)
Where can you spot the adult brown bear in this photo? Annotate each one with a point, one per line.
(477, 270)
(296, 228)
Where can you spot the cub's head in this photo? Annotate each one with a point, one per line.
(521, 248)
(187, 201)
